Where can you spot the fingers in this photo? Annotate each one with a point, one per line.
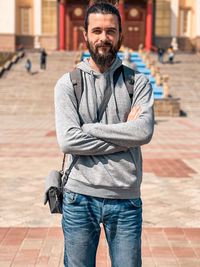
(134, 114)
(137, 113)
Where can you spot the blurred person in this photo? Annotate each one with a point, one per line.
(171, 54)
(43, 59)
(161, 52)
(104, 183)
(28, 65)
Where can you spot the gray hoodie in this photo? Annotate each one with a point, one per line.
(110, 160)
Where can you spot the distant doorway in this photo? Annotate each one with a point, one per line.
(134, 26)
(76, 15)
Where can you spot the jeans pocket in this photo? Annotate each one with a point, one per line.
(136, 202)
(69, 197)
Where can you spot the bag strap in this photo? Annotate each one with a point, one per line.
(77, 81)
(116, 74)
(63, 163)
(128, 77)
(68, 171)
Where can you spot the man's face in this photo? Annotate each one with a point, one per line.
(103, 38)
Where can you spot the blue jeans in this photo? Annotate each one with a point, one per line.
(122, 222)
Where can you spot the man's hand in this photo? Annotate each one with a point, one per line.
(134, 114)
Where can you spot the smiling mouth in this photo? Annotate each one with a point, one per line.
(104, 46)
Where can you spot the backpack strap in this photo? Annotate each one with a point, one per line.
(128, 77)
(77, 81)
(117, 73)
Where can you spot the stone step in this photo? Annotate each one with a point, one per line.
(184, 82)
(21, 92)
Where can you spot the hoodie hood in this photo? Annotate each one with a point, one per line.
(85, 66)
(97, 86)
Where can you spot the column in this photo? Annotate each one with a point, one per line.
(58, 24)
(7, 25)
(37, 22)
(149, 25)
(121, 10)
(174, 22)
(62, 24)
(7, 17)
(68, 31)
(174, 17)
(197, 10)
(75, 38)
(197, 18)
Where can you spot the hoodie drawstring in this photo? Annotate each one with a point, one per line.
(94, 87)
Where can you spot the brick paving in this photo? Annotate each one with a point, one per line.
(22, 247)
(30, 236)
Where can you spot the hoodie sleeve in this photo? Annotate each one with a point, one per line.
(71, 138)
(132, 133)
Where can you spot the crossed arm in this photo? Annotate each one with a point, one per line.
(70, 135)
(138, 129)
(98, 138)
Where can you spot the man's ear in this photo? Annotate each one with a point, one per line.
(85, 35)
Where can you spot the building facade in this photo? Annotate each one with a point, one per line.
(58, 24)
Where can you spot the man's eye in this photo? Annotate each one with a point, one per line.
(110, 32)
(97, 31)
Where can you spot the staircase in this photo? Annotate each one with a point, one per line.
(21, 93)
(158, 90)
(24, 93)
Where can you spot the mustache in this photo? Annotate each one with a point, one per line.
(104, 44)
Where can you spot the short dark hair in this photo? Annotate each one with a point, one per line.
(102, 8)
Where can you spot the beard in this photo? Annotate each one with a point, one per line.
(107, 59)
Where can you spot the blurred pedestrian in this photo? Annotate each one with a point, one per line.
(171, 54)
(161, 52)
(43, 59)
(28, 65)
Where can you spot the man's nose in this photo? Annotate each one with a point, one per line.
(104, 36)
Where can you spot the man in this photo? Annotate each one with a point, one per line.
(104, 184)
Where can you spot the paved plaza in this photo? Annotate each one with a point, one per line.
(30, 235)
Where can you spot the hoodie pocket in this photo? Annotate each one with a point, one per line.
(122, 169)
